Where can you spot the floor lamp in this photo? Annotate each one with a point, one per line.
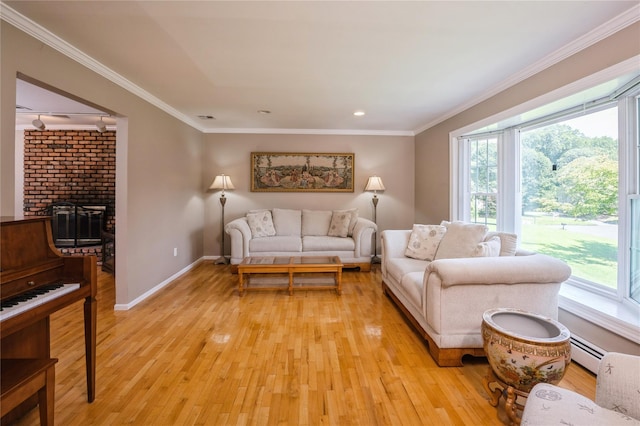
(375, 184)
(222, 182)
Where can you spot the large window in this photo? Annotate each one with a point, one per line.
(570, 193)
(566, 184)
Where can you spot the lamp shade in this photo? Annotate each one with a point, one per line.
(374, 184)
(222, 182)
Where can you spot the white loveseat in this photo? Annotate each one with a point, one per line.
(445, 295)
(288, 232)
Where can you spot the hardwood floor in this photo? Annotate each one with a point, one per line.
(196, 353)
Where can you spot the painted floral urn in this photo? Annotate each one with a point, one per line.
(525, 348)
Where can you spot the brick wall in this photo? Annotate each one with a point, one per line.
(77, 166)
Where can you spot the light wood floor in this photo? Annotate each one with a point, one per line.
(196, 353)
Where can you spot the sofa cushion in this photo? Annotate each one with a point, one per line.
(411, 285)
(424, 241)
(315, 222)
(261, 224)
(316, 243)
(508, 242)
(488, 248)
(460, 240)
(287, 222)
(275, 244)
(398, 266)
(339, 226)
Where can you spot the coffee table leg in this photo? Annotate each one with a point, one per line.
(339, 280)
(290, 282)
(240, 283)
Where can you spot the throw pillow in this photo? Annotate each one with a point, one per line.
(353, 221)
(488, 248)
(339, 226)
(460, 240)
(261, 224)
(508, 242)
(424, 241)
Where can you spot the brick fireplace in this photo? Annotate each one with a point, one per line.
(70, 166)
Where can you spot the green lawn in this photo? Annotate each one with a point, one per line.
(591, 257)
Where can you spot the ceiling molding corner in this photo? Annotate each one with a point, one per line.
(335, 132)
(629, 17)
(40, 33)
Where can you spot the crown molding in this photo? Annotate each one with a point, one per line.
(629, 17)
(40, 33)
(345, 132)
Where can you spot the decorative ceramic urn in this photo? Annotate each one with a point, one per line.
(524, 348)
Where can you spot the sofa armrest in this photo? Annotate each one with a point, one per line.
(362, 233)
(473, 285)
(618, 383)
(240, 233)
(535, 268)
(394, 242)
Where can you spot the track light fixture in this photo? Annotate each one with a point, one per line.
(101, 126)
(38, 124)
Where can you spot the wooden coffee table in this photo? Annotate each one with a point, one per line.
(296, 273)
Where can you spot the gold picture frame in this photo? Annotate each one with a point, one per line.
(302, 172)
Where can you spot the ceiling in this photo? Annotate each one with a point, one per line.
(307, 66)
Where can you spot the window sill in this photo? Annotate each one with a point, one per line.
(620, 318)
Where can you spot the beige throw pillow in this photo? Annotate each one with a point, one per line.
(353, 221)
(488, 248)
(261, 224)
(339, 226)
(460, 240)
(424, 241)
(508, 242)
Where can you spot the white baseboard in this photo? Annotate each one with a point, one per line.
(127, 306)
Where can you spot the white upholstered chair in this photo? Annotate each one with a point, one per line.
(617, 398)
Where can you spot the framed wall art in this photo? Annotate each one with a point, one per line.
(301, 172)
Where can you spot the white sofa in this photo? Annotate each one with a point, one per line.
(289, 232)
(445, 296)
(617, 397)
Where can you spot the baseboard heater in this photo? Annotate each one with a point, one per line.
(586, 353)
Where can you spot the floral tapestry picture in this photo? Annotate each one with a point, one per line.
(301, 172)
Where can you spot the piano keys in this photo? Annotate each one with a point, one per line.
(34, 298)
(30, 262)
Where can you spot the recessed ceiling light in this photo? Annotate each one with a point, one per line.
(358, 113)
(264, 111)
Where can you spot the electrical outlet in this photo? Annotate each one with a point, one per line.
(175, 251)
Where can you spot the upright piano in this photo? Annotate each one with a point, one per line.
(36, 280)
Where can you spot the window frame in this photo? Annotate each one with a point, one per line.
(614, 310)
(582, 282)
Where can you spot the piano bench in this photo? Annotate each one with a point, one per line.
(22, 378)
